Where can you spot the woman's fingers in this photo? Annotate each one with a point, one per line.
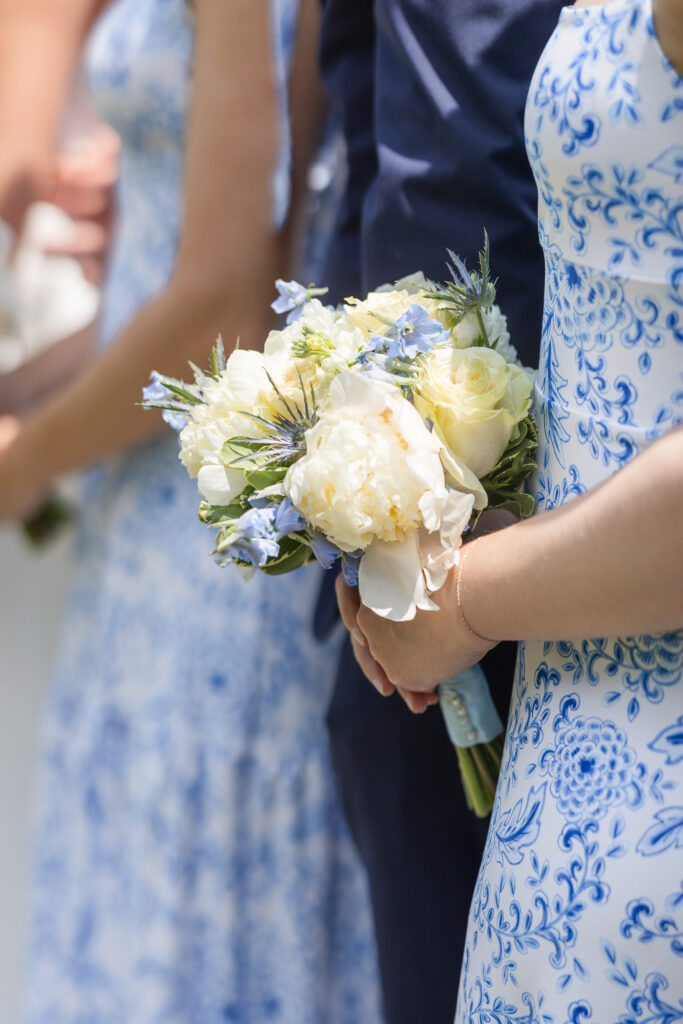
(418, 702)
(370, 668)
(348, 600)
(349, 603)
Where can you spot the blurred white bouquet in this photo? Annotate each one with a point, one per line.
(375, 433)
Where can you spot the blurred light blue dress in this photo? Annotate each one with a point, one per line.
(193, 866)
(577, 915)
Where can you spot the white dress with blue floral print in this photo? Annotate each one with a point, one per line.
(193, 866)
(577, 914)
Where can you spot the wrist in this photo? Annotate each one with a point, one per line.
(477, 590)
(460, 599)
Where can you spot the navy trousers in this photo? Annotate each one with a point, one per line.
(430, 95)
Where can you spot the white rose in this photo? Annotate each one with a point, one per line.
(201, 442)
(237, 390)
(372, 480)
(475, 400)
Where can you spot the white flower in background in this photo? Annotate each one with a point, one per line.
(372, 314)
(468, 332)
(372, 480)
(413, 283)
(474, 399)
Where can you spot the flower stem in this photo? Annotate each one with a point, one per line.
(484, 332)
(479, 769)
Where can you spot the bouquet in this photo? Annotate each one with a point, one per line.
(373, 434)
(54, 513)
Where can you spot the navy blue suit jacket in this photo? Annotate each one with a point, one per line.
(431, 97)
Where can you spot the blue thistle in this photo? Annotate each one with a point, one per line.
(285, 439)
(468, 292)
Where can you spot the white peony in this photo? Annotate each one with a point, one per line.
(475, 400)
(372, 480)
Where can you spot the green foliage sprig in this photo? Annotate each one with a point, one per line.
(503, 484)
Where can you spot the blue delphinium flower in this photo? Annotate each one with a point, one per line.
(350, 567)
(389, 357)
(292, 297)
(252, 539)
(324, 550)
(375, 363)
(173, 411)
(414, 332)
(288, 519)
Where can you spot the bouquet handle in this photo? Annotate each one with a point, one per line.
(477, 733)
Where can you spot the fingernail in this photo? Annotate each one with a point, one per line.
(379, 686)
(358, 637)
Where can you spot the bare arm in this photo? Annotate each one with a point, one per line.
(609, 563)
(24, 388)
(228, 257)
(668, 19)
(307, 103)
(39, 45)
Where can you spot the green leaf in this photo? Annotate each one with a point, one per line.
(236, 449)
(217, 515)
(520, 504)
(503, 484)
(300, 555)
(181, 391)
(260, 478)
(214, 368)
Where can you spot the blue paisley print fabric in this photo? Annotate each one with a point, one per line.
(577, 916)
(193, 865)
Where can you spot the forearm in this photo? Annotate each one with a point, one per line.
(307, 108)
(609, 563)
(97, 414)
(33, 381)
(39, 45)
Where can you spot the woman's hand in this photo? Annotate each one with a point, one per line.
(412, 657)
(20, 491)
(83, 186)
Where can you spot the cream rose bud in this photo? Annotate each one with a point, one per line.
(371, 470)
(475, 399)
(371, 314)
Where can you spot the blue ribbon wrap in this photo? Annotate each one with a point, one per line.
(468, 709)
